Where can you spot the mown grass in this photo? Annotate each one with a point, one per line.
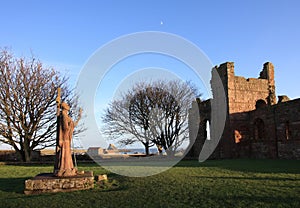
(220, 183)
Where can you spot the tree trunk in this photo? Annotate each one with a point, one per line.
(146, 148)
(170, 153)
(21, 155)
(27, 154)
(27, 150)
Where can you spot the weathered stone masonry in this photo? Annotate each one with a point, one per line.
(257, 126)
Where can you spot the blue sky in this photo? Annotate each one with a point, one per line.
(65, 34)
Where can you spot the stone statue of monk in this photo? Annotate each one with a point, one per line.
(66, 127)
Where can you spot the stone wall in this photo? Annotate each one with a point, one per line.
(287, 118)
(242, 93)
(47, 183)
(245, 92)
(256, 126)
(197, 125)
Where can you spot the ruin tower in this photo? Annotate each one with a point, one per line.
(242, 95)
(268, 74)
(226, 73)
(256, 126)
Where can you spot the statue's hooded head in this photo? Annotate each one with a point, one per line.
(65, 106)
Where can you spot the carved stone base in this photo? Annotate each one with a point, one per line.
(48, 183)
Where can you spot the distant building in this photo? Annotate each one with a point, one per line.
(112, 149)
(94, 151)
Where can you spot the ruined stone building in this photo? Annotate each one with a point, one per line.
(257, 125)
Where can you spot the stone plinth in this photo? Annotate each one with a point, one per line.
(48, 183)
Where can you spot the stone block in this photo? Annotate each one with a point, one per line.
(101, 177)
(48, 183)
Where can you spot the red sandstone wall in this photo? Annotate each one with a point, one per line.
(243, 93)
(280, 135)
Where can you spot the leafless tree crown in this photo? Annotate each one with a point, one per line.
(27, 103)
(153, 113)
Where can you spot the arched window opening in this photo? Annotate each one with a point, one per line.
(260, 104)
(207, 130)
(287, 130)
(259, 129)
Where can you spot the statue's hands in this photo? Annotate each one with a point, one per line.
(60, 144)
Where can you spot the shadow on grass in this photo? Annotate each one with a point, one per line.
(17, 185)
(248, 165)
(256, 201)
(248, 178)
(12, 185)
(28, 164)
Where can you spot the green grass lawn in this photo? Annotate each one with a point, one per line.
(220, 183)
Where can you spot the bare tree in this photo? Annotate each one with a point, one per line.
(152, 113)
(27, 103)
(120, 126)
